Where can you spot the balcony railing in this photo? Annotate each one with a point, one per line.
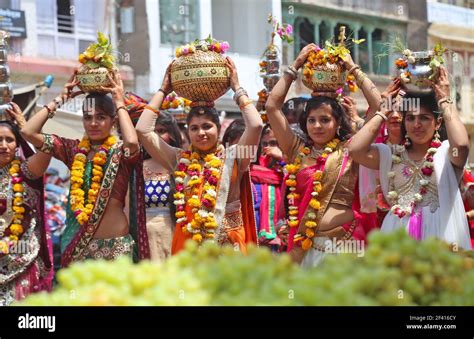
(371, 7)
(65, 23)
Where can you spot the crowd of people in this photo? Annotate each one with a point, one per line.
(321, 173)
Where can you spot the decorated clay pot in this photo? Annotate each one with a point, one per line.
(91, 80)
(326, 78)
(200, 76)
(420, 71)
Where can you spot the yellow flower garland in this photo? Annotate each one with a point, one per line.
(315, 204)
(16, 228)
(82, 208)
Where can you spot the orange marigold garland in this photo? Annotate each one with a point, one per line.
(203, 224)
(11, 235)
(314, 204)
(262, 100)
(81, 205)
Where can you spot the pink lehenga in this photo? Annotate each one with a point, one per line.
(339, 186)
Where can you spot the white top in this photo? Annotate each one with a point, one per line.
(443, 215)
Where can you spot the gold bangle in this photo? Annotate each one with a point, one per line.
(360, 79)
(121, 107)
(245, 103)
(353, 68)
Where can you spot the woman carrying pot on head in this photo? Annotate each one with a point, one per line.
(420, 178)
(322, 178)
(101, 166)
(26, 264)
(212, 196)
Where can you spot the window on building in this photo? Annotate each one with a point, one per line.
(64, 33)
(65, 19)
(5, 4)
(243, 24)
(179, 21)
(306, 33)
(363, 51)
(324, 33)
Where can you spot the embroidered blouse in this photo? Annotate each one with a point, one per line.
(63, 150)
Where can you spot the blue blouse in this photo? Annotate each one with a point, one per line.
(156, 193)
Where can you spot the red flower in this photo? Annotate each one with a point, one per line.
(427, 171)
(182, 167)
(435, 144)
(206, 203)
(17, 180)
(207, 173)
(191, 173)
(423, 190)
(212, 181)
(179, 187)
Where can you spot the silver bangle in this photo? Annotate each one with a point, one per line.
(291, 74)
(293, 69)
(359, 124)
(381, 115)
(238, 93)
(445, 99)
(26, 171)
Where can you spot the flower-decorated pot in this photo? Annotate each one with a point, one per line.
(326, 78)
(200, 76)
(420, 71)
(6, 93)
(91, 80)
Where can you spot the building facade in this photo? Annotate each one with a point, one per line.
(57, 31)
(452, 25)
(158, 27)
(378, 22)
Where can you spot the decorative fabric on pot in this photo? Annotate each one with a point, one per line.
(199, 72)
(98, 62)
